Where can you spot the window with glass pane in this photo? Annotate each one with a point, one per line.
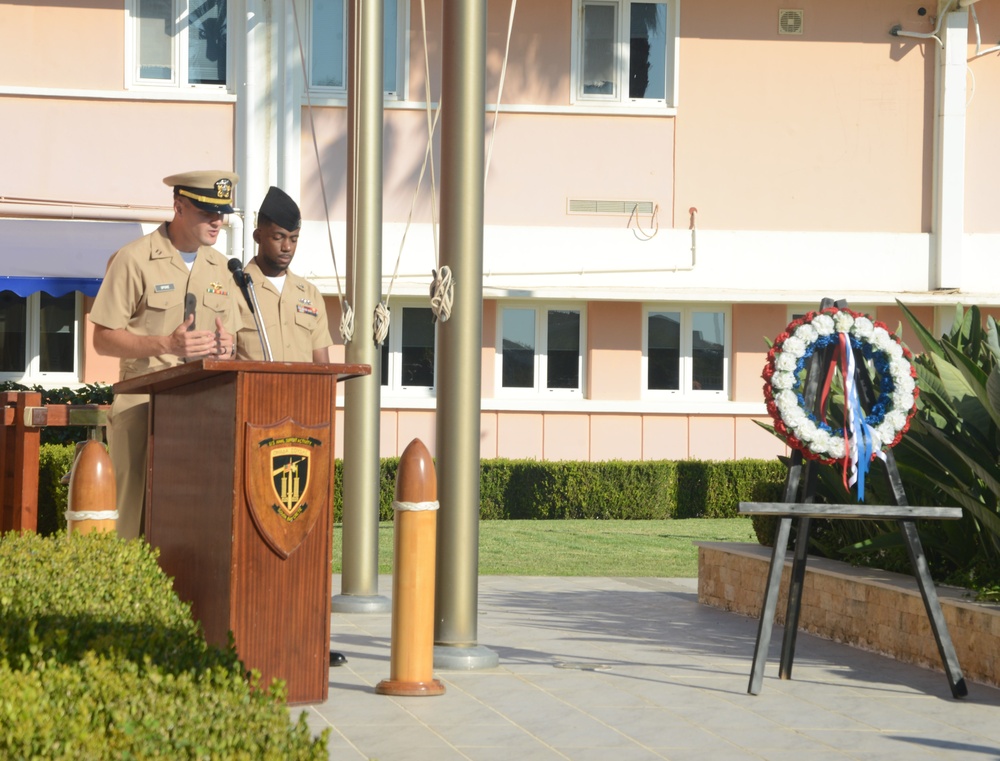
(57, 333)
(663, 359)
(13, 332)
(599, 38)
(38, 335)
(384, 372)
(389, 46)
(408, 351)
(518, 348)
(417, 350)
(563, 349)
(329, 44)
(622, 50)
(708, 347)
(155, 23)
(207, 42)
(647, 51)
(183, 42)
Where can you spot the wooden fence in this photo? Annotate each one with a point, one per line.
(24, 416)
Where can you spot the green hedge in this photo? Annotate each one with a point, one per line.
(99, 659)
(653, 489)
(534, 490)
(54, 462)
(708, 489)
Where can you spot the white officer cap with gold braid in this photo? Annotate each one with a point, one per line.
(210, 190)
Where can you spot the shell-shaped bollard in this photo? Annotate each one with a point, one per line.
(92, 491)
(411, 660)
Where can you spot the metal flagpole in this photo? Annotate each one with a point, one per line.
(459, 374)
(359, 578)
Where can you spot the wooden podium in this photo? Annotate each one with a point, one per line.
(239, 502)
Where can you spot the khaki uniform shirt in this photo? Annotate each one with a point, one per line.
(295, 319)
(144, 289)
(143, 292)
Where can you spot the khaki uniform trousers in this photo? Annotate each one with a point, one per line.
(128, 432)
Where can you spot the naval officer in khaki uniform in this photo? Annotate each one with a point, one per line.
(139, 316)
(291, 308)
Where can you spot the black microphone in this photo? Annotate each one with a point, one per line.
(245, 282)
(190, 302)
(237, 269)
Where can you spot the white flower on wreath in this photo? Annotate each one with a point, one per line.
(900, 368)
(786, 400)
(823, 323)
(864, 328)
(785, 362)
(782, 381)
(794, 346)
(886, 433)
(793, 418)
(806, 333)
(843, 322)
(881, 339)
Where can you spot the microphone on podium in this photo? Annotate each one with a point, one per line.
(238, 274)
(245, 282)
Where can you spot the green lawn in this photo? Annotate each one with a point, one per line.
(587, 547)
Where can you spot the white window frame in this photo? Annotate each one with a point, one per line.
(622, 100)
(179, 68)
(540, 367)
(394, 363)
(33, 342)
(402, 54)
(686, 371)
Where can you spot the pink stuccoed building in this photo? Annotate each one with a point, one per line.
(667, 185)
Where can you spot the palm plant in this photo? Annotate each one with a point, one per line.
(952, 447)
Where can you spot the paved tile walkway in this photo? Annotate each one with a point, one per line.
(614, 669)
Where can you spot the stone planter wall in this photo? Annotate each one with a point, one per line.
(874, 610)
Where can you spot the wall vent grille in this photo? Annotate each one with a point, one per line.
(790, 21)
(585, 206)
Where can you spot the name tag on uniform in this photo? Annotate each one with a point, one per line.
(161, 287)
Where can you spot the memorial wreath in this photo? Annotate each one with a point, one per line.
(861, 436)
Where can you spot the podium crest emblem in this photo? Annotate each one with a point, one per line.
(287, 481)
(290, 478)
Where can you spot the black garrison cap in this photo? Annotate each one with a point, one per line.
(278, 207)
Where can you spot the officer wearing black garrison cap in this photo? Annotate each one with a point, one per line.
(291, 308)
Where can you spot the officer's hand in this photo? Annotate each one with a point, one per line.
(225, 343)
(193, 344)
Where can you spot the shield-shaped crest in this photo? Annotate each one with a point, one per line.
(290, 478)
(287, 481)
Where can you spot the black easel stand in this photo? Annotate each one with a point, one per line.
(804, 474)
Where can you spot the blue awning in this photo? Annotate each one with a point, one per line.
(59, 256)
(54, 286)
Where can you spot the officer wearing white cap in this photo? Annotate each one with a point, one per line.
(165, 298)
(291, 308)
